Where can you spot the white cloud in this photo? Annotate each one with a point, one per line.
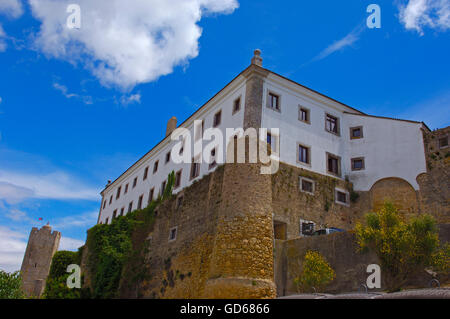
(124, 43)
(11, 8)
(67, 243)
(65, 91)
(339, 45)
(12, 249)
(16, 186)
(130, 99)
(85, 220)
(418, 14)
(2, 42)
(13, 245)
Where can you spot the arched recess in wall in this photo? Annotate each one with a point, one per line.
(396, 190)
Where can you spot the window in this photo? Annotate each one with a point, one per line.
(306, 228)
(356, 132)
(213, 161)
(180, 201)
(126, 189)
(163, 187)
(104, 204)
(237, 105)
(134, 182)
(272, 140)
(217, 119)
(182, 147)
(168, 157)
(130, 207)
(118, 192)
(114, 214)
(443, 142)
(178, 179)
(107, 220)
(358, 164)
(341, 196)
(303, 154)
(150, 194)
(332, 124)
(198, 130)
(333, 164)
(122, 211)
(273, 101)
(195, 169)
(303, 115)
(155, 167)
(173, 234)
(110, 200)
(145, 173)
(307, 185)
(139, 206)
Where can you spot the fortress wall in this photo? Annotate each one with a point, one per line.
(435, 184)
(290, 205)
(180, 268)
(42, 245)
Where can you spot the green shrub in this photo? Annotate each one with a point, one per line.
(403, 247)
(10, 285)
(56, 285)
(316, 273)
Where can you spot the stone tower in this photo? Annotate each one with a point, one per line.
(42, 245)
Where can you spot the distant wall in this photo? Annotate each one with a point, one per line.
(435, 184)
(340, 250)
(42, 245)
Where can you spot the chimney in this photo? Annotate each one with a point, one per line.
(257, 60)
(171, 126)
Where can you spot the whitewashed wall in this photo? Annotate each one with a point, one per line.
(223, 101)
(391, 148)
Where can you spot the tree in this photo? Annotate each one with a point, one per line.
(316, 273)
(56, 285)
(10, 285)
(404, 248)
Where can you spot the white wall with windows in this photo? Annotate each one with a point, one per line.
(295, 131)
(223, 102)
(390, 148)
(380, 147)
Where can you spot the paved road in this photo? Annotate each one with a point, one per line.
(435, 293)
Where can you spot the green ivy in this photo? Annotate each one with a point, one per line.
(111, 248)
(56, 285)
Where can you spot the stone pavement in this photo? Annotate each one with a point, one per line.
(432, 293)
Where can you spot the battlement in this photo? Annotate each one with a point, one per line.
(42, 245)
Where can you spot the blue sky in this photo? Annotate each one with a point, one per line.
(79, 106)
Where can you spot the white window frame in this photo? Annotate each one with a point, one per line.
(301, 179)
(341, 190)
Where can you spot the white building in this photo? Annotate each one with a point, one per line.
(315, 132)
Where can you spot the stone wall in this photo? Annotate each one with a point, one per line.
(435, 184)
(180, 268)
(42, 245)
(340, 250)
(290, 205)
